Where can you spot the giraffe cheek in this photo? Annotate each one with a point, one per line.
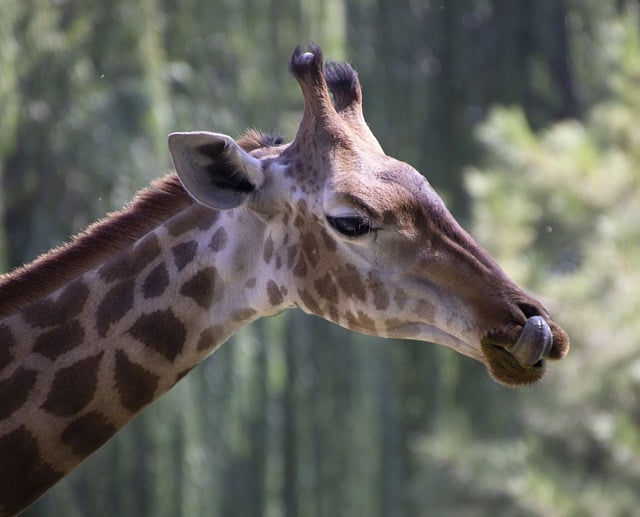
(360, 322)
(276, 294)
(308, 302)
(327, 289)
(350, 282)
(300, 270)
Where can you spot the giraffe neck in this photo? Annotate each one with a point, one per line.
(77, 365)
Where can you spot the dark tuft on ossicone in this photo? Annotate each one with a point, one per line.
(304, 62)
(343, 84)
(340, 76)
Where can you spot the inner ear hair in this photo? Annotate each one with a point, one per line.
(255, 139)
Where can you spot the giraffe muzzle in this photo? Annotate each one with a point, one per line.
(535, 342)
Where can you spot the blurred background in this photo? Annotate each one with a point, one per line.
(523, 115)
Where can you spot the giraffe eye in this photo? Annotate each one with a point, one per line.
(351, 225)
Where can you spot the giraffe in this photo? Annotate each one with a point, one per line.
(94, 331)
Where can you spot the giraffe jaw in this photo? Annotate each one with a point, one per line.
(425, 332)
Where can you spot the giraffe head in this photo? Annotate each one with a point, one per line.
(360, 238)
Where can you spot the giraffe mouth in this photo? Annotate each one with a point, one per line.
(516, 355)
(519, 356)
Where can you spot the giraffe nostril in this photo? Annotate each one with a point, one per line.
(528, 310)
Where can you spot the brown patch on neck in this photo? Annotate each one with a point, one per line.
(151, 207)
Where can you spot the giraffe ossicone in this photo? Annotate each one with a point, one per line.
(94, 331)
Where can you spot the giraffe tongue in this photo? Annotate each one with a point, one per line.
(534, 342)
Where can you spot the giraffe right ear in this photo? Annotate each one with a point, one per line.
(214, 169)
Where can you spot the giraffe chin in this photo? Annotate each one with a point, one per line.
(506, 369)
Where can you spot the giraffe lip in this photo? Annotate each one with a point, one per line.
(524, 361)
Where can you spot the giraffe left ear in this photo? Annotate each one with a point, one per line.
(214, 169)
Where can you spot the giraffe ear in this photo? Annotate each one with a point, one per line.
(214, 169)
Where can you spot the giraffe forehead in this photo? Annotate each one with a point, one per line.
(389, 190)
(353, 174)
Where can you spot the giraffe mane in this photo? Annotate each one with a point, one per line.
(151, 206)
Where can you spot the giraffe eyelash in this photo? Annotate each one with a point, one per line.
(352, 225)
